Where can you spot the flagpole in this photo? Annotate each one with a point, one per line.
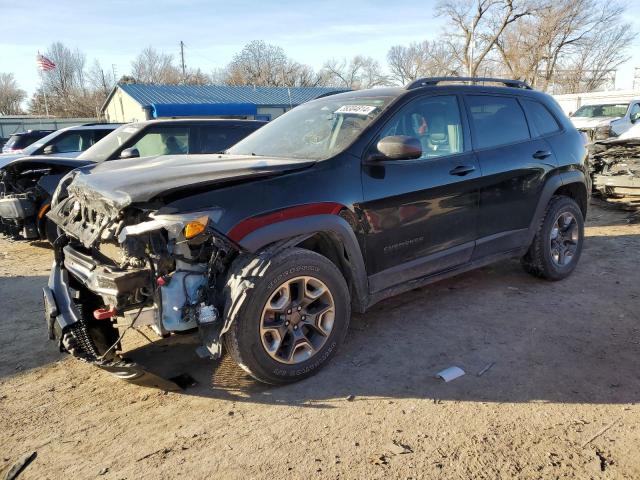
(44, 93)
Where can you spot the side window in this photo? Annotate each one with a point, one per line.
(99, 135)
(216, 139)
(163, 141)
(634, 114)
(435, 121)
(496, 120)
(544, 122)
(72, 142)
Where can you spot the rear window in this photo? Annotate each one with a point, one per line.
(496, 121)
(541, 118)
(24, 140)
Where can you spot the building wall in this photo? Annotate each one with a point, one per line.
(10, 125)
(274, 112)
(122, 109)
(570, 102)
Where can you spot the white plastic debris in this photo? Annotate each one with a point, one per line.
(450, 373)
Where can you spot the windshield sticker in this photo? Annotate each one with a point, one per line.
(356, 109)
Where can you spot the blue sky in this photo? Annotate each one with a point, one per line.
(310, 32)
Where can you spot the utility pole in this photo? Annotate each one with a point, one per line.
(184, 67)
(114, 70)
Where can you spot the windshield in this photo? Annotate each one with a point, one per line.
(316, 130)
(103, 149)
(608, 110)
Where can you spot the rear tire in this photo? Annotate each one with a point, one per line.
(557, 245)
(268, 297)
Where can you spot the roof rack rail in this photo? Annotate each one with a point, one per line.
(430, 81)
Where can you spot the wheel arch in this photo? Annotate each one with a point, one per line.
(572, 184)
(328, 235)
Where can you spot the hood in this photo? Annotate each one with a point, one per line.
(67, 161)
(6, 159)
(140, 180)
(591, 122)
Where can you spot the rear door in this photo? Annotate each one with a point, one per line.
(421, 213)
(514, 163)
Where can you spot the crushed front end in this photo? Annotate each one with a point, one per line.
(21, 197)
(121, 267)
(617, 168)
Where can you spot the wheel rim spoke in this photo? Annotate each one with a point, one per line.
(564, 238)
(297, 320)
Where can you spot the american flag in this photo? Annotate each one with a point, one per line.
(44, 63)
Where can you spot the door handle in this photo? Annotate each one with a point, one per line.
(541, 154)
(462, 170)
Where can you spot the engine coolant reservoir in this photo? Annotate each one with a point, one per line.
(181, 291)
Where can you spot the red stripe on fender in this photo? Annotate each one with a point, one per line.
(248, 225)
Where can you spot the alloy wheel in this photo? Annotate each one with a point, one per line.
(297, 320)
(564, 239)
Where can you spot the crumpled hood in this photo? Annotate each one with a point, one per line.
(587, 122)
(123, 182)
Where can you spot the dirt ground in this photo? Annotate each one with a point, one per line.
(561, 400)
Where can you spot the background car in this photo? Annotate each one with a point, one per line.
(70, 142)
(18, 141)
(606, 120)
(27, 184)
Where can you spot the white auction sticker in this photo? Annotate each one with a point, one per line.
(356, 109)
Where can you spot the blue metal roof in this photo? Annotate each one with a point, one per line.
(147, 95)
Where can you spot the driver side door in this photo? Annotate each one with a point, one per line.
(421, 214)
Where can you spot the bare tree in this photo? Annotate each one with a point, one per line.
(67, 78)
(424, 59)
(154, 67)
(100, 80)
(263, 64)
(359, 72)
(571, 45)
(11, 97)
(478, 25)
(65, 86)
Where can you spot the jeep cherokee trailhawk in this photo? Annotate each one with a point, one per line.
(266, 250)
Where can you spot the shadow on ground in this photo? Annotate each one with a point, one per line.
(575, 341)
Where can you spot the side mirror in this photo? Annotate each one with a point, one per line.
(570, 114)
(400, 147)
(129, 153)
(635, 118)
(50, 150)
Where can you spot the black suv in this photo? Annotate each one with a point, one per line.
(328, 209)
(27, 183)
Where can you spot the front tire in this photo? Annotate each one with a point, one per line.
(290, 314)
(557, 245)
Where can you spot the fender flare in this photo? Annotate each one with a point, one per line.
(309, 225)
(550, 187)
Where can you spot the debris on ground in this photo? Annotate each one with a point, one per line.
(450, 373)
(485, 369)
(398, 448)
(20, 465)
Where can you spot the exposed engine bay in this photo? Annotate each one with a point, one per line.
(133, 267)
(616, 168)
(23, 188)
